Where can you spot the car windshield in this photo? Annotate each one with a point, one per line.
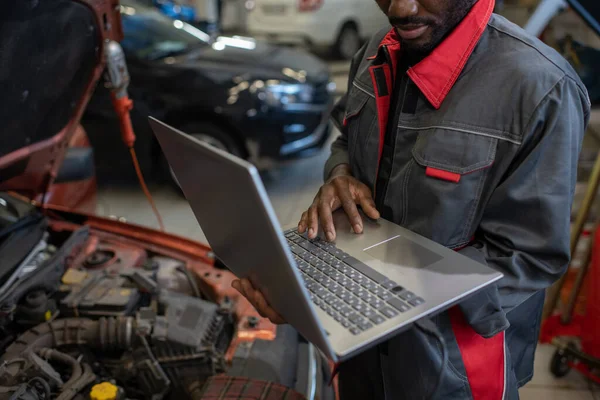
(149, 35)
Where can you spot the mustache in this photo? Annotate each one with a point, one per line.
(400, 21)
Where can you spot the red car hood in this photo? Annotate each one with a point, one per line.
(51, 58)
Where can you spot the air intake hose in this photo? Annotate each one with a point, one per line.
(105, 334)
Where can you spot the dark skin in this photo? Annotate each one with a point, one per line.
(421, 26)
(429, 20)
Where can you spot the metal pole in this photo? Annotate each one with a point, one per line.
(569, 308)
(543, 14)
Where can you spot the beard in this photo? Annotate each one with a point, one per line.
(439, 29)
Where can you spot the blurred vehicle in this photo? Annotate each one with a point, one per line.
(339, 25)
(255, 100)
(187, 12)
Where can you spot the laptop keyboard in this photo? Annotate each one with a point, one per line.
(351, 292)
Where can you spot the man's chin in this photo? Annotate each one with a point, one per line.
(416, 47)
(421, 41)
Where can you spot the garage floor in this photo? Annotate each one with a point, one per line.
(291, 189)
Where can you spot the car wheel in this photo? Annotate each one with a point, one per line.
(212, 135)
(348, 42)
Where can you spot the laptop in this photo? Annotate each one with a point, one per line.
(343, 297)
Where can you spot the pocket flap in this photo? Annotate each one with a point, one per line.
(356, 102)
(453, 151)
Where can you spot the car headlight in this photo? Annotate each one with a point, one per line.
(281, 94)
(331, 87)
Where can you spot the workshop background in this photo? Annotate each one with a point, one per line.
(291, 184)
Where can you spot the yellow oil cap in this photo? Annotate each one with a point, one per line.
(104, 391)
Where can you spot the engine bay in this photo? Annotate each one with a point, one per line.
(94, 309)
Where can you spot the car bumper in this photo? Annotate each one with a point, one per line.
(307, 146)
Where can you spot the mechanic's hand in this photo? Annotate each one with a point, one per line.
(256, 298)
(341, 190)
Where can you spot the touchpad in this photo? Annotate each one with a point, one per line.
(404, 252)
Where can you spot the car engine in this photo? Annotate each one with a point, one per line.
(108, 331)
(169, 354)
(88, 314)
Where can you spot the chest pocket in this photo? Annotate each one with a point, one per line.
(360, 120)
(445, 183)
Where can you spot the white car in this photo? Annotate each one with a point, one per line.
(339, 25)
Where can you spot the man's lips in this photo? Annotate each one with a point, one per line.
(411, 32)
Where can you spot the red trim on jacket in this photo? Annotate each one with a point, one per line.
(437, 73)
(484, 359)
(383, 101)
(443, 175)
(465, 246)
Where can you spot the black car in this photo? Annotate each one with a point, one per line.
(255, 100)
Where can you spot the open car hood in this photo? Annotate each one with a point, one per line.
(51, 58)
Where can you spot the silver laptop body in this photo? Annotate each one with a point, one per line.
(411, 272)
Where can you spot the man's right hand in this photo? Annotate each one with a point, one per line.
(341, 190)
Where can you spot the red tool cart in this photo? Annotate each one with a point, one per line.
(577, 335)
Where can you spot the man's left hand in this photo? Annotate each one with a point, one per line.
(256, 298)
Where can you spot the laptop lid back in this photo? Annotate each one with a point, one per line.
(232, 207)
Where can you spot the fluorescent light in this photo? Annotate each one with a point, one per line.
(236, 42)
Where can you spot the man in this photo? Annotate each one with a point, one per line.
(460, 127)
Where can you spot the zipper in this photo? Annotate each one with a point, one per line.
(388, 59)
(390, 130)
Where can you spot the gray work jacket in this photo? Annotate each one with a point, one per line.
(484, 162)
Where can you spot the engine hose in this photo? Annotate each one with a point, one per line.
(105, 334)
(191, 280)
(81, 375)
(36, 388)
(195, 390)
(69, 392)
(40, 384)
(55, 355)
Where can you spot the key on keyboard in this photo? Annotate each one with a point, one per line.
(351, 292)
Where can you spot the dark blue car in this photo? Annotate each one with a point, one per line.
(255, 100)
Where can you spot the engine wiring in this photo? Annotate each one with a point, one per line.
(191, 280)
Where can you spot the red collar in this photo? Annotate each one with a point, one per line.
(437, 73)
